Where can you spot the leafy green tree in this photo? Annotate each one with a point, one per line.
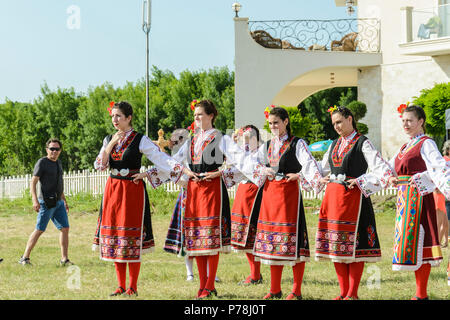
(435, 101)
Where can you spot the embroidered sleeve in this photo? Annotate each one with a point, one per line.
(167, 167)
(423, 183)
(377, 177)
(310, 168)
(303, 183)
(100, 163)
(247, 163)
(438, 170)
(232, 176)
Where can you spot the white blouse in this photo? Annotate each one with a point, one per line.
(379, 170)
(254, 166)
(166, 164)
(437, 174)
(226, 145)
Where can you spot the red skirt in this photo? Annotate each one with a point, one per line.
(346, 231)
(281, 236)
(206, 223)
(121, 232)
(244, 215)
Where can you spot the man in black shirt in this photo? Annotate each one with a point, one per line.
(47, 192)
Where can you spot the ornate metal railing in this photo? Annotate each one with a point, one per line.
(362, 35)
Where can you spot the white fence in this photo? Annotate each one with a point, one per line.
(93, 182)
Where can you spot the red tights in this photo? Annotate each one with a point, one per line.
(207, 277)
(255, 266)
(349, 276)
(422, 275)
(121, 271)
(276, 273)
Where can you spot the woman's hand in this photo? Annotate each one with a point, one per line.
(351, 183)
(190, 174)
(270, 173)
(393, 181)
(138, 176)
(119, 135)
(292, 177)
(325, 180)
(208, 176)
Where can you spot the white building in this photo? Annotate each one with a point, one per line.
(390, 52)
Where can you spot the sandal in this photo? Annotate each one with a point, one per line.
(118, 292)
(131, 292)
(417, 298)
(293, 296)
(208, 295)
(271, 296)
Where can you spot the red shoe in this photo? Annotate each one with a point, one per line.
(350, 298)
(250, 281)
(131, 292)
(293, 296)
(118, 292)
(417, 298)
(271, 296)
(339, 297)
(207, 294)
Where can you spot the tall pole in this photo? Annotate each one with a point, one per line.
(146, 23)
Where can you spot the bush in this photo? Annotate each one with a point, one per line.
(435, 101)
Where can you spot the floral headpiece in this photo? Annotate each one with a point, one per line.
(111, 105)
(267, 110)
(402, 108)
(332, 109)
(194, 103)
(243, 131)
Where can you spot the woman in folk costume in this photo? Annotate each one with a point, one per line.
(245, 210)
(420, 169)
(174, 240)
(206, 223)
(281, 236)
(346, 232)
(124, 230)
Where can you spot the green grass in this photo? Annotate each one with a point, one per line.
(162, 274)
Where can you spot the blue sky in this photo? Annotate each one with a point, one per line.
(38, 46)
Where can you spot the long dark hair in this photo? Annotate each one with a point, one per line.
(418, 111)
(345, 112)
(283, 115)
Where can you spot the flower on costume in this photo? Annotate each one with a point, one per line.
(111, 105)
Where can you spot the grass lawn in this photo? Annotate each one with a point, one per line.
(163, 275)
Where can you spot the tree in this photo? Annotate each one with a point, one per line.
(435, 101)
(359, 110)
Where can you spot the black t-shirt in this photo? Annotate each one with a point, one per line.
(50, 175)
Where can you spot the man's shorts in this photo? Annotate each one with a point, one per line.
(57, 214)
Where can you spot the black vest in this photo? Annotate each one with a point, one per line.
(212, 157)
(129, 158)
(288, 162)
(353, 164)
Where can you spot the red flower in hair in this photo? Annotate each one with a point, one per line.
(401, 108)
(111, 105)
(193, 104)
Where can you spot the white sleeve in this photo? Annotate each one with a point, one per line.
(98, 164)
(325, 164)
(232, 176)
(249, 164)
(165, 167)
(311, 170)
(438, 171)
(377, 177)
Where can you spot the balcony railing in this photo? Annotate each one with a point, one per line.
(431, 23)
(360, 35)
